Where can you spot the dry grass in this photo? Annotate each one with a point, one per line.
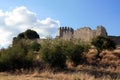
(81, 72)
(110, 70)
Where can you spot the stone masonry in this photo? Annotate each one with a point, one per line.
(84, 34)
(65, 33)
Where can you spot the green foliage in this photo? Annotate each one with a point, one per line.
(103, 42)
(28, 34)
(35, 46)
(21, 36)
(53, 52)
(74, 52)
(53, 56)
(21, 55)
(15, 58)
(56, 52)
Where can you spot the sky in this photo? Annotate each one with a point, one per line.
(45, 16)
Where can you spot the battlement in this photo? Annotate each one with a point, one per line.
(84, 34)
(65, 32)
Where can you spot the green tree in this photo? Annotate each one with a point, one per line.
(25, 37)
(31, 34)
(28, 34)
(21, 36)
(103, 42)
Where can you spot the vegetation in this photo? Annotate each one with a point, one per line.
(53, 52)
(73, 51)
(53, 56)
(28, 34)
(35, 46)
(15, 58)
(57, 54)
(103, 42)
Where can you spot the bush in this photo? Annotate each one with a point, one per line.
(21, 54)
(35, 46)
(53, 56)
(15, 58)
(74, 52)
(103, 42)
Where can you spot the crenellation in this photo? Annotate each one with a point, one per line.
(65, 32)
(85, 34)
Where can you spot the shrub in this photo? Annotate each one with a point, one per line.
(103, 42)
(35, 46)
(75, 53)
(53, 56)
(15, 58)
(72, 50)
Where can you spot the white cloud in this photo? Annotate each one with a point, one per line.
(19, 19)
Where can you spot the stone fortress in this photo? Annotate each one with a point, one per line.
(84, 34)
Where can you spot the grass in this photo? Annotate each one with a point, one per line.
(109, 69)
(81, 72)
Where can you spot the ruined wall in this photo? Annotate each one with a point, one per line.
(65, 33)
(85, 34)
(101, 31)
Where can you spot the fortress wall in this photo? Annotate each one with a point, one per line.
(85, 34)
(101, 31)
(65, 33)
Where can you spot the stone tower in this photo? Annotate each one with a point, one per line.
(65, 33)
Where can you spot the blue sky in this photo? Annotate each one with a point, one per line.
(72, 13)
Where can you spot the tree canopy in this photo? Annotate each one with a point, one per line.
(103, 42)
(28, 34)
